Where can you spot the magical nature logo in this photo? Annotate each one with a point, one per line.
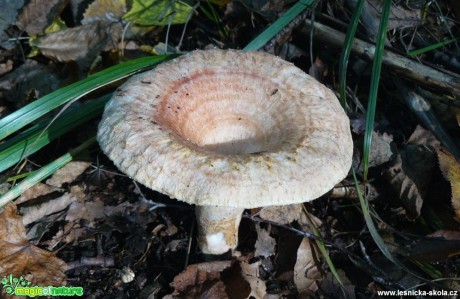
(22, 287)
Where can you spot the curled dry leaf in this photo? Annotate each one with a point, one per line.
(451, 170)
(19, 258)
(306, 274)
(81, 41)
(68, 173)
(38, 14)
(411, 171)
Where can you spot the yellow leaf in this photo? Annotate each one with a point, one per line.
(57, 25)
(451, 170)
(158, 12)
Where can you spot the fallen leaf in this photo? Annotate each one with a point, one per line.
(30, 77)
(88, 211)
(281, 214)
(201, 281)
(8, 15)
(36, 212)
(104, 10)
(265, 244)
(68, 173)
(411, 172)
(158, 12)
(35, 191)
(306, 274)
(380, 151)
(19, 258)
(38, 14)
(451, 170)
(79, 42)
(250, 272)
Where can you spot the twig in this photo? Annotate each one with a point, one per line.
(400, 65)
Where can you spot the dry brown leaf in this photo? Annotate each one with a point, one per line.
(201, 280)
(89, 211)
(68, 173)
(29, 78)
(35, 191)
(380, 151)
(19, 258)
(81, 41)
(411, 171)
(38, 14)
(36, 212)
(265, 244)
(306, 274)
(250, 273)
(104, 10)
(451, 170)
(281, 214)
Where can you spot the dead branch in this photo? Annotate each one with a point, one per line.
(407, 68)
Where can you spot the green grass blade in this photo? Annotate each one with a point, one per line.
(26, 115)
(33, 139)
(323, 250)
(348, 45)
(278, 25)
(375, 80)
(432, 47)
(43, 172)
(370, 224)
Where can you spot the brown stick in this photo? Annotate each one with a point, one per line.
(400, 65)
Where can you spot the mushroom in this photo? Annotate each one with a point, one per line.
(228, 130)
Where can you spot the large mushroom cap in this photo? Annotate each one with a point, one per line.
(228, 128)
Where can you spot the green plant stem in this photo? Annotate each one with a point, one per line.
(44, 172)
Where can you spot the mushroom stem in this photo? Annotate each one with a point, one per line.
(218, 228)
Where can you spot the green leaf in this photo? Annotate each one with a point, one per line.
(375, 80)
(27, 114)
(347, 50)
(158, 12)
(36, 137)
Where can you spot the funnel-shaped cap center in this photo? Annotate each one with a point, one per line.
(231, 114)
